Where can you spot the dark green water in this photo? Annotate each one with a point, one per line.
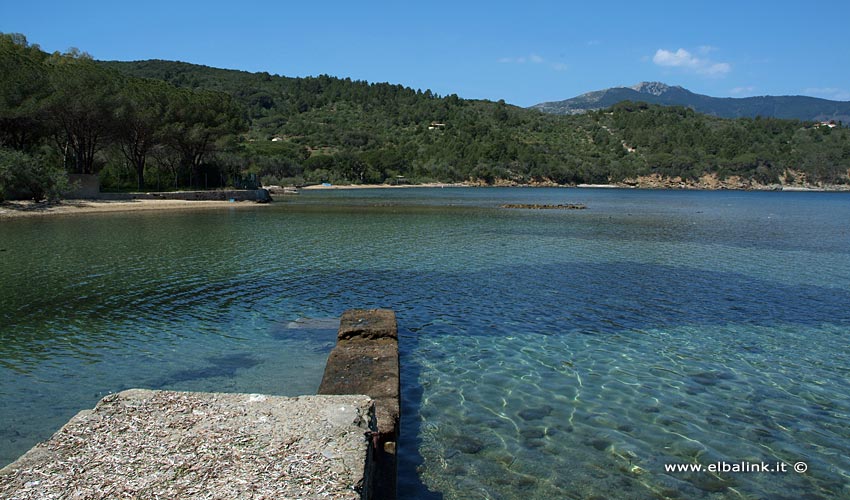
(545, 354)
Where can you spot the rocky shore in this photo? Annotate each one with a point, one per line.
(792, 181)
(712, 182)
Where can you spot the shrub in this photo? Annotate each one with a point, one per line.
(23, 176)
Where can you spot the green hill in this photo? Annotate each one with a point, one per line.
(344, 130)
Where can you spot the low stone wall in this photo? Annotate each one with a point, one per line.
(84, 186)
(365, 361)
(258, 195)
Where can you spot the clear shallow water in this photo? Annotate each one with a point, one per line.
(545, 354)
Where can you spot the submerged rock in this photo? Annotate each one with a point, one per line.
(600, 444)
(535, 413)
(468, 444)
(533, 433)
(314, 324)
(537, 206)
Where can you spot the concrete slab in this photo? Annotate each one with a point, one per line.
(165, 444)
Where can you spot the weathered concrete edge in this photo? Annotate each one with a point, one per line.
(365, 360)
(359, 461)
(40, 452)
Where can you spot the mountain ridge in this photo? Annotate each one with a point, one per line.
(789, 107)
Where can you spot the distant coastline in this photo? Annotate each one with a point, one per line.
(22, 209)
(705, 183)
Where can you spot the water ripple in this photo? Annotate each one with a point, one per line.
(544, 355)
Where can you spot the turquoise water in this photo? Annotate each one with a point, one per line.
(545, 354)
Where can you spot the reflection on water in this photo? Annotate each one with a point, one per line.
(544, 354)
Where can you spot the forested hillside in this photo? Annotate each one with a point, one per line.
(336, 129)
(163, 124)
(356, 131)
(675, 141)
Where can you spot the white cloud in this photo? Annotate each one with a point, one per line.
(518, 60)
(828, 93)
(684, 59)
(716, 69)
(742, 90)
(679, 58)
(532, 59)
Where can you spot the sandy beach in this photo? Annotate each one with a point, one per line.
(386, 186)
(15, 209)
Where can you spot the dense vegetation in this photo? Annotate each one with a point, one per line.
(161, 124)
(65, 113)
(675, 141)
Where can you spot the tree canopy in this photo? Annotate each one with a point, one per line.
(70, 113)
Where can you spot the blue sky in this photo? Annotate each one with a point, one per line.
(522, 52)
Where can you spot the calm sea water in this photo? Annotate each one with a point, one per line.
(545, 354)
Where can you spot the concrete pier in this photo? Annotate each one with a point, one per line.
(365, 361)
(340, 444)
(165, 444)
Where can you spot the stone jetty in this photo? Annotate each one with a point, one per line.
(365, 361)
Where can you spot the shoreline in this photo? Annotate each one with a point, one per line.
(672, 186)
(319, 187)
(26, 209)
